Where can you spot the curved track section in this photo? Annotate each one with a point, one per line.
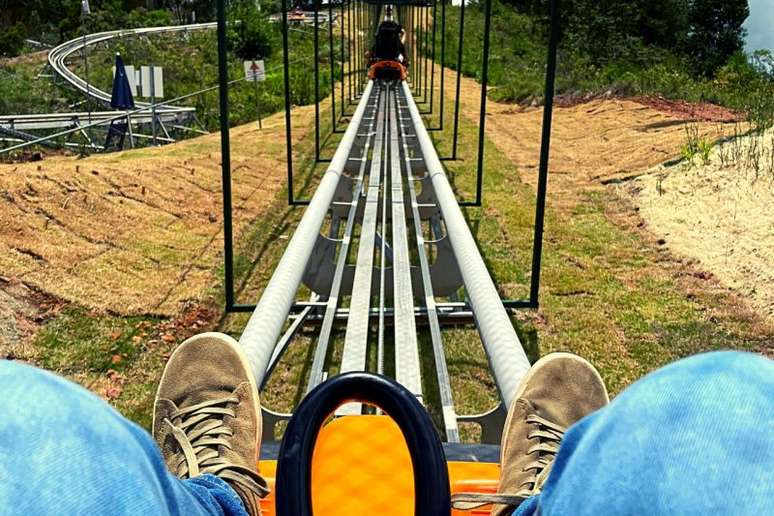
(58, 56)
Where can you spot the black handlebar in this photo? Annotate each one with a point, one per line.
(294, 467)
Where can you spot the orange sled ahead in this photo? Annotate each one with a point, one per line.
(387, 71)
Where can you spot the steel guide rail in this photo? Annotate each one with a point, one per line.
(351, 361)
(385, 215)
(407, 263)
(58, 56)
(391, 282)
(260, 335)
(407, 368)
(354, 355)
(507, 359)
(62, 120)
(447, 402)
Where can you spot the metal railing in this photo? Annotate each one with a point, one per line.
(58, 56)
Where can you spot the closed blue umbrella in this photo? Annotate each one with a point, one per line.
(121, 97)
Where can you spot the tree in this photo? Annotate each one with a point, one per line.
(250, 34)
(663, 23)
(715, 33)
(11, 11)
(12, 40)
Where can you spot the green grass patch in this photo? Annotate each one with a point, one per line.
(606, 292)
(81, 341)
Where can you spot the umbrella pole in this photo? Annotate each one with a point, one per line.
(129, 128)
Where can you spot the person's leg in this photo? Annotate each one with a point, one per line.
(558, 390)
(695, 437)
(207, 416)
(65, 451)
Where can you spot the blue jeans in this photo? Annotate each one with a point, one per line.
(695, 437)
(65, 451)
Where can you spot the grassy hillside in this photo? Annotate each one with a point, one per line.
(518, 53)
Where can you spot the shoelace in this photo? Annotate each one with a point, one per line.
(549, 436)
(199, 430)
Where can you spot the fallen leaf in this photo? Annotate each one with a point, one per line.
(116, 359)
(115, 376)
(112, 393)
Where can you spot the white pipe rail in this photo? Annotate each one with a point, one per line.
(58, 55)
(61, 120)
(506, 355)
(265, 325)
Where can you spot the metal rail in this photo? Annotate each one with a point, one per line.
(442, 372)
(334, 296)
(62, 120)
(265, 325)
(399, 261)
(58, 56)
(506, 355)
(358, 323)
(407, 370)
(387, 140)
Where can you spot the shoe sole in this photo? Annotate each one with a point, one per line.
(250, 378)
(532, 370)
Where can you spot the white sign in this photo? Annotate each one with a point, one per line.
(152, 81)
(255, 70)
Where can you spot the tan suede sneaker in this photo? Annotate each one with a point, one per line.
(558, 390)
(207, 416)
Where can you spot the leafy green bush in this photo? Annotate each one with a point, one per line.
(144, 18)
(12, 40)
(22, 93)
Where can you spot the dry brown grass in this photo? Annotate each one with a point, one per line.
(599, 141)
(137, 231)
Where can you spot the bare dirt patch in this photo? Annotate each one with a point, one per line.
(691, 111)
(721, 215)
(597, 145)
(136, 232)
(30, 58)
(22, 310)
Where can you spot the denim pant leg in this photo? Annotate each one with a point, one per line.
(695, 437)
(65, 451)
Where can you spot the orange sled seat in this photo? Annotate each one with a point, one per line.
(387, 71)
(361, 465)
